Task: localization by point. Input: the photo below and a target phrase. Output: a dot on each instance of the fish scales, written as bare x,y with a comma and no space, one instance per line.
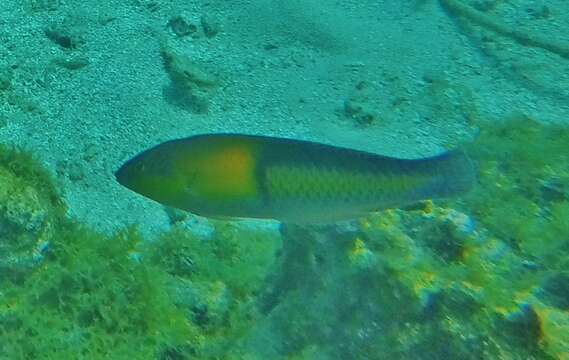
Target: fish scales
232,175
319,178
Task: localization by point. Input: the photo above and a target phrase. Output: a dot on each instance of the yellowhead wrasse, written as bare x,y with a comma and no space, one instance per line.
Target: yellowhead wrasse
232,175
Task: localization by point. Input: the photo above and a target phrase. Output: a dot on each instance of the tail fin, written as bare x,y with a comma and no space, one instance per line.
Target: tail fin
453,173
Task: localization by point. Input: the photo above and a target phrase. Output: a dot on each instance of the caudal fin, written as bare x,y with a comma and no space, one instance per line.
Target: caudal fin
453,174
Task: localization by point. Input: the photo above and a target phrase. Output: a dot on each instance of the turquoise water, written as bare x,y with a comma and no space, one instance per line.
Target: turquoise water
91,270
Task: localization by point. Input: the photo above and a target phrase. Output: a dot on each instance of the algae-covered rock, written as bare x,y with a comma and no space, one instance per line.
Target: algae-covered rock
29,209
479,278
118,296
523,173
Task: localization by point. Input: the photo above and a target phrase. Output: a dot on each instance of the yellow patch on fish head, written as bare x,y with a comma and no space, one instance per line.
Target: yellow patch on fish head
224,170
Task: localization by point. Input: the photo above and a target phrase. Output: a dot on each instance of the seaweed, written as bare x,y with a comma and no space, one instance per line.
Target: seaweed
480,277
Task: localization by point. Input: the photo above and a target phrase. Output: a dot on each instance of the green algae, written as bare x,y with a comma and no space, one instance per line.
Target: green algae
90,299
520,161
118,296
422,283
29,211
98,296
488,288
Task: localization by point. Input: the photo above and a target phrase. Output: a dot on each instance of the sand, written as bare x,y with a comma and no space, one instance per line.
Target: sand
85,87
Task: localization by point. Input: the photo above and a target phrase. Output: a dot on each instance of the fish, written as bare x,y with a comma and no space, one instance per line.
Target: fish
226,176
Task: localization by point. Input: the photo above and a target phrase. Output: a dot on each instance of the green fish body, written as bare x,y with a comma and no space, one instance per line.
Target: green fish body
245,176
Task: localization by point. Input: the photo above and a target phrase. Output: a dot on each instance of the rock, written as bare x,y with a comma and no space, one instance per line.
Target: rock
61,39
182,26
184,71
68,34
29,205
555,291
41,5
191,82
209,26
76,172
358,107
523,326
553,190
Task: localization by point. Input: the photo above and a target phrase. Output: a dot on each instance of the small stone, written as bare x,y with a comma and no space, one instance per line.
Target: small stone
67,33
431,302
153,6
23,101
358,110
61,168
175,215
539,12
5,79
42,5
63,40
184,71
209,26
76,172
530,265
73,63
90,152
552,190
484,5
181,26
270,46
358,106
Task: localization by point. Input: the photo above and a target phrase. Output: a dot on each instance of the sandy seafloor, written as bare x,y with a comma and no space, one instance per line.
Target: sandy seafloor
286,68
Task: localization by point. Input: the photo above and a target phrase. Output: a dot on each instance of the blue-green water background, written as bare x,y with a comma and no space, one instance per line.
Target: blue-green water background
84,86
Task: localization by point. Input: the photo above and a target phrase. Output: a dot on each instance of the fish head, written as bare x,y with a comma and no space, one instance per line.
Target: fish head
155,174
202,174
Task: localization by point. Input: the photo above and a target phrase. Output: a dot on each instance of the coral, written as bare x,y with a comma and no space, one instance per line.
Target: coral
522,200
215,279
360,256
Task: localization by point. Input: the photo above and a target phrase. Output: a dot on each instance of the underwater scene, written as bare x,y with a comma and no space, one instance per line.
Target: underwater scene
295,179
